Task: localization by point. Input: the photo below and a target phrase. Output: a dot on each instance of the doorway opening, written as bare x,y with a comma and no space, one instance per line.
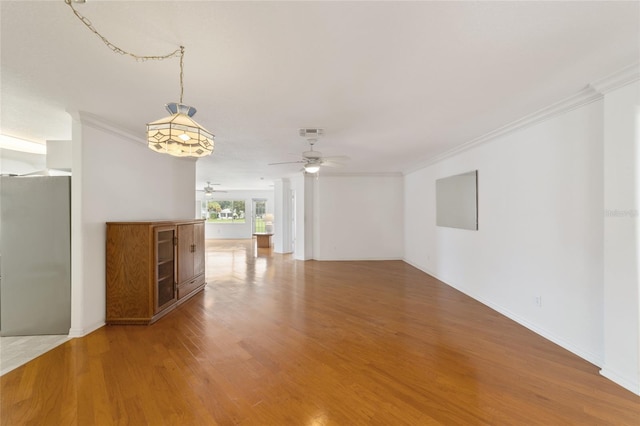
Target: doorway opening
259,212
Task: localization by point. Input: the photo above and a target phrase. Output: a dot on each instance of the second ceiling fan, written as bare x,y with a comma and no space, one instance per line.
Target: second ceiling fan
313,160
208,190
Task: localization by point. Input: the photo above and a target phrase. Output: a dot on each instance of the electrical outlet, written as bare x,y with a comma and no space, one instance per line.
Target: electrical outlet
539,301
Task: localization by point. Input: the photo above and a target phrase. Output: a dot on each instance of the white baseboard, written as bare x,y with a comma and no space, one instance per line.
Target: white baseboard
81,332
586,355
626,382
356,259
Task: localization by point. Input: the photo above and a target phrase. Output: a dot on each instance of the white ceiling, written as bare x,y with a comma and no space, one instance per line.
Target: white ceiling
392,83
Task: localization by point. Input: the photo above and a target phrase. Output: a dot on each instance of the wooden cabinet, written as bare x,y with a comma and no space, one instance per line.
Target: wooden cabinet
190,258
164,279
264,239
151,268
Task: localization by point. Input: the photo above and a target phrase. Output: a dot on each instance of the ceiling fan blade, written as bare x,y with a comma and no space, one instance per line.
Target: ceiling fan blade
287,162
336,158
331,164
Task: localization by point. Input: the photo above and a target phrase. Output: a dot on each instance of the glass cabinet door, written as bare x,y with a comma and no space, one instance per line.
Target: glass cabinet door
165,273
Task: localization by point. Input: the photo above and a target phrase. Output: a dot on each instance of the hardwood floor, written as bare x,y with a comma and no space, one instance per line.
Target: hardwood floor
274,341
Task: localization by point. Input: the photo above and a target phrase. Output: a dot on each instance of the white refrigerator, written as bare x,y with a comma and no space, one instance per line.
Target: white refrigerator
35,255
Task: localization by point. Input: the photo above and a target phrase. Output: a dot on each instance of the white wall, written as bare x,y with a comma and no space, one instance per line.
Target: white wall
116,178
303,188
621,239
237,230
282,238
59,155
21,163
358,217
540,233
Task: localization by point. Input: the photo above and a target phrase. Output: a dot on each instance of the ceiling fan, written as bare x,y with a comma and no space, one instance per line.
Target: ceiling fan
208,190
313,160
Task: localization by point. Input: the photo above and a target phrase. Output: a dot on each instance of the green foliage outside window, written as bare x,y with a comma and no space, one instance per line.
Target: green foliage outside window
226,211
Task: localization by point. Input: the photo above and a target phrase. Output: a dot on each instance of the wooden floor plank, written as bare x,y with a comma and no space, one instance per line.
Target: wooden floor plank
274,341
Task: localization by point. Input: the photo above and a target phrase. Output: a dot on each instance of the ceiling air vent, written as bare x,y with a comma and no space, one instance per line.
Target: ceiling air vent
311,133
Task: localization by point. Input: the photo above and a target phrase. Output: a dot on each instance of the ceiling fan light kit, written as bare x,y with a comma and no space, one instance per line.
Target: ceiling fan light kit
312,167
178,135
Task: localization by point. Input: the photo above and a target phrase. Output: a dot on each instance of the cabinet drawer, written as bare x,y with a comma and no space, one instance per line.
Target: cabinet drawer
189,286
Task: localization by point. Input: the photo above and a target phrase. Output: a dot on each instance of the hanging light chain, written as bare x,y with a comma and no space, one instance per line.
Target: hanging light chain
116,49
181,72
140,58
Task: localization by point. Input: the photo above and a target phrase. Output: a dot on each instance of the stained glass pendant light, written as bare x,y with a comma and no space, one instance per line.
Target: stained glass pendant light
178,134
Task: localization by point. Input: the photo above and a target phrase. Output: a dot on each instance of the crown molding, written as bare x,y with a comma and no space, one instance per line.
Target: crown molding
593,92
99,123
585,96
618,79
379,174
